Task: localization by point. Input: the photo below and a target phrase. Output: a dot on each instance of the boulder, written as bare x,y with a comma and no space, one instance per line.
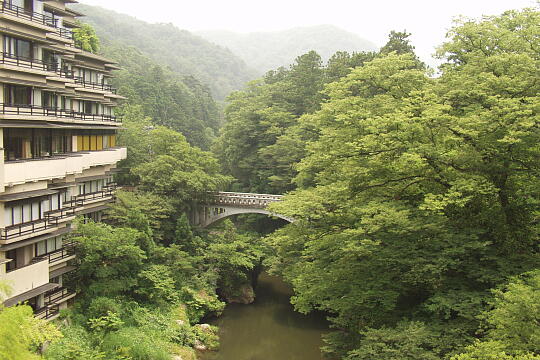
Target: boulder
245,295
200,346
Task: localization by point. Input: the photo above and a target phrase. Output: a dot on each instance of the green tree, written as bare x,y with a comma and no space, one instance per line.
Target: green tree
85,37
419,195
22,335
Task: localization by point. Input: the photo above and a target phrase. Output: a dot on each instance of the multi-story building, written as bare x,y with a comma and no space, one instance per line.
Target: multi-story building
57,147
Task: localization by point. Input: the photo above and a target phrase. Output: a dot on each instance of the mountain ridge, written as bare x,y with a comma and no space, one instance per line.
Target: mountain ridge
182,51
267,50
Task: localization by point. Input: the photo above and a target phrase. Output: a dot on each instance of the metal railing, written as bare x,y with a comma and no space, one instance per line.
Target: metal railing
242,199
23,61
23,13
58,255
97,195
94,86
30,63
26,228
51,219
47,312
55,296
36,110
65,33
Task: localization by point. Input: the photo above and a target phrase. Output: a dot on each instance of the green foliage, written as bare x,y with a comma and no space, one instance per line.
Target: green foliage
269,124
106,323
200,303
109,259
234,256
76,343
157,284
419,195
85,37
21,334
179,102
134,343
514,319
407,341
179,50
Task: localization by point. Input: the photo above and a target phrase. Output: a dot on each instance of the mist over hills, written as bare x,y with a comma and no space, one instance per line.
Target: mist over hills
184,52
264,51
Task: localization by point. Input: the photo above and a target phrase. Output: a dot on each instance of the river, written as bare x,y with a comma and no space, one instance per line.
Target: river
268,329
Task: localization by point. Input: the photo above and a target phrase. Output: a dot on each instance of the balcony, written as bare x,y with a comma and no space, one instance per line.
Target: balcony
26,112
94,86
28,15
48,312
34,64
57,296
50,221
64,33
61,255
20,172
28,277
105,194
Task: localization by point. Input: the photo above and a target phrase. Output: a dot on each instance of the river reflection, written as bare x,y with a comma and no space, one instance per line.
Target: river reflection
268,329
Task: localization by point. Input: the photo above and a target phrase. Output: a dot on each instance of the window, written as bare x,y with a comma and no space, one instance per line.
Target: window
18,144
17,95
48,246
42,142
23,211
94,216
21,144
49,100
18,48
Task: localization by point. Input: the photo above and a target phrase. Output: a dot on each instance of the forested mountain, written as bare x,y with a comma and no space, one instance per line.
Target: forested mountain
179,102
264,51
184,52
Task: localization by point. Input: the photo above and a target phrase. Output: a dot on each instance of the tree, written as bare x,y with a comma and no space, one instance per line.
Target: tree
419,195
21,334
109,259
85,37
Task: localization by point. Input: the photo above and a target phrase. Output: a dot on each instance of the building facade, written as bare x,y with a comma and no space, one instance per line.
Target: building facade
57,147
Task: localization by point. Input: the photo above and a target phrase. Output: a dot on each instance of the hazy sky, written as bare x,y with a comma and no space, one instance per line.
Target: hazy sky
427,20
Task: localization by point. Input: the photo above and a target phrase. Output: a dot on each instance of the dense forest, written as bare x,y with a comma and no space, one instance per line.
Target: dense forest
415,198
264,51
185,53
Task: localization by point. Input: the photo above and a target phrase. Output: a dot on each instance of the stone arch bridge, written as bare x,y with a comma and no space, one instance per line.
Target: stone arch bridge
220,205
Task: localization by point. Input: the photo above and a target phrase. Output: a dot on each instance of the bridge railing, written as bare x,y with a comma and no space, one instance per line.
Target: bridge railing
243,199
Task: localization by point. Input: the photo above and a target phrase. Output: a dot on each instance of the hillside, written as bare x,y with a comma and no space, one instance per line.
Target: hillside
264,51
184,52
179,102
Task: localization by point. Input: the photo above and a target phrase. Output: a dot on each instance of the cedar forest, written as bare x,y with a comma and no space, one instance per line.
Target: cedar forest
416,197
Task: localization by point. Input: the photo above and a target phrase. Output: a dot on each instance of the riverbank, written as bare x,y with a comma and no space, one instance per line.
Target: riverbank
268,329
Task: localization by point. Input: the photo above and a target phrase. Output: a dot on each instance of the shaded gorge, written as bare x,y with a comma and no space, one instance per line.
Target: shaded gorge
268,329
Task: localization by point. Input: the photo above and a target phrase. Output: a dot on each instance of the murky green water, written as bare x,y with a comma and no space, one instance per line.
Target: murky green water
268,329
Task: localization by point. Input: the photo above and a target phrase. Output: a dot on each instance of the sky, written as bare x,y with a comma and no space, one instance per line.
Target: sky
427,20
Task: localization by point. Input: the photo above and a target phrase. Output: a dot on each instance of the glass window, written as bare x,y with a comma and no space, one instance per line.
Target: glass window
24,49
17,95
41,248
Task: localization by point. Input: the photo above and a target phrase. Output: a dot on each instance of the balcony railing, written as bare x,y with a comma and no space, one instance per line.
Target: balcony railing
47,312
65,33
30,63
94,86
23,13
65,252
36,110
50,220
97,195
54,297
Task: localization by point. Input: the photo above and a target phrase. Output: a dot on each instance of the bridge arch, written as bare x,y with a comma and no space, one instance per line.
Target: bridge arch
224,204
